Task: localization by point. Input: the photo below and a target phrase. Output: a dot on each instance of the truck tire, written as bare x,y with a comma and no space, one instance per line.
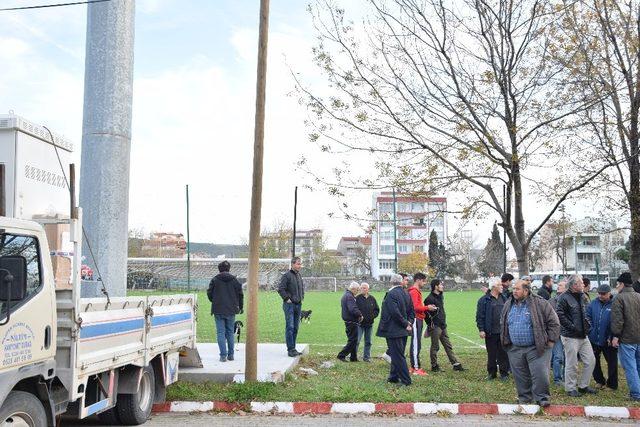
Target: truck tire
134,409
22,409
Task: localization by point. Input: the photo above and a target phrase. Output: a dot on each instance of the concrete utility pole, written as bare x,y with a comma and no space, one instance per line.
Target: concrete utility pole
106,141
251,361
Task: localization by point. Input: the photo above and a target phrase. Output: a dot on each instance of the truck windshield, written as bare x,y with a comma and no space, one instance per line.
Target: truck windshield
27,247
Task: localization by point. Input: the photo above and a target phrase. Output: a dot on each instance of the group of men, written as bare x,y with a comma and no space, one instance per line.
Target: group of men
404,314
527,334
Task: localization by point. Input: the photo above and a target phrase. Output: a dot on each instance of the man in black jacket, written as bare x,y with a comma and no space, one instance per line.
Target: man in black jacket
547,287
395,326
352,317
488,312
225,294
369,308
574,329
437,327
291,290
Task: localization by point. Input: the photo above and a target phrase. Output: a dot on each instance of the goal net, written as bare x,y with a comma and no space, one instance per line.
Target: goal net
174,273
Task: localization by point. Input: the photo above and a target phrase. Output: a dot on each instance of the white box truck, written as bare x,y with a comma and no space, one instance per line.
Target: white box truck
63,355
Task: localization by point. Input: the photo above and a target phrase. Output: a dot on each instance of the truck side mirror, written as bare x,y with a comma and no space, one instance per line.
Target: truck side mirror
13,278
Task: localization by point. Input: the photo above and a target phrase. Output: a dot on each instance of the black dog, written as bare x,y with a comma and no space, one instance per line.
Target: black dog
305,315
237,329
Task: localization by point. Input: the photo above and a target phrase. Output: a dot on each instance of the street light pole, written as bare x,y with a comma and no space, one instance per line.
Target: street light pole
395,233
251,361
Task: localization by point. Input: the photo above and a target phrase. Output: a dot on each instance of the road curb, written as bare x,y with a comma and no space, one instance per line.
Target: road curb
418,408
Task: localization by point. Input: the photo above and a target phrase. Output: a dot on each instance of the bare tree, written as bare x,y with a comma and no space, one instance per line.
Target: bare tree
456,96
598,43
362,258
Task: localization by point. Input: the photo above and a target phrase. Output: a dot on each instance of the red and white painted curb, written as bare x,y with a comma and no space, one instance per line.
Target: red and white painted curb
399,408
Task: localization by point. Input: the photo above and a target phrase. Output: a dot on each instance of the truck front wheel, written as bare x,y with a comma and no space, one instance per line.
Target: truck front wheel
22,409
134,409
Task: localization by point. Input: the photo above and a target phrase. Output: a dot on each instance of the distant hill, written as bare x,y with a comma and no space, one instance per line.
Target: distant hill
212,250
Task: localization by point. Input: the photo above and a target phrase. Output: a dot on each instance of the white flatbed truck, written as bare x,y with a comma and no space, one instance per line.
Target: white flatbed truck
63,355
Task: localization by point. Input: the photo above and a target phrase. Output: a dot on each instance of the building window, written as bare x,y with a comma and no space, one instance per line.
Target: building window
385,208
403,249
387,265
386,234
417,207
386,249
418,248
418,234
418,221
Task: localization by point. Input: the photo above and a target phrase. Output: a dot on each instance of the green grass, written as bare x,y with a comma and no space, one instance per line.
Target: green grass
367,382
326,327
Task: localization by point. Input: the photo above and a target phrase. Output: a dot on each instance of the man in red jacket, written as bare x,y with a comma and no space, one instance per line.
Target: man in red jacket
419,279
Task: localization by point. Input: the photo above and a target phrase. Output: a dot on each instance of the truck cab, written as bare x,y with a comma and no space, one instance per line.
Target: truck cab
63,355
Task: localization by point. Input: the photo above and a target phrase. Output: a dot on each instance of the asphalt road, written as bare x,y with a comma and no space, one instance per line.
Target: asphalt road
208,419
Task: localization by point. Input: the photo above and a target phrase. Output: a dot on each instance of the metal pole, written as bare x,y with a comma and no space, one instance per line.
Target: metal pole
295,218
395,233
597,272
3,205
251,361
106,141
504,226
188,244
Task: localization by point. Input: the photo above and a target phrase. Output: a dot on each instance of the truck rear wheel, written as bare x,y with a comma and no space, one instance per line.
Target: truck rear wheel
22,409
134,409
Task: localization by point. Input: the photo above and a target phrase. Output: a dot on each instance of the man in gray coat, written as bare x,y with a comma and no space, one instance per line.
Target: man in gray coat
530,327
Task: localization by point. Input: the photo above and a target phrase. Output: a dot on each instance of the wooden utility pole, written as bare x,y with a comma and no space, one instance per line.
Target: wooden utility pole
251,361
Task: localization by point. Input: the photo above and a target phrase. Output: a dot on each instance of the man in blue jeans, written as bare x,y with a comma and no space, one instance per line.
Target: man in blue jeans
225,294
557,353
291,290
625,327
369,308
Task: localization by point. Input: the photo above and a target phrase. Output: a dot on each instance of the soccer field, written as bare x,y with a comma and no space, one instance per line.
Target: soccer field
326,328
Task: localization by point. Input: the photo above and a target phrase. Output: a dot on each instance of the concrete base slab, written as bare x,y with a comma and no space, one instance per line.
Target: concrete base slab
273,363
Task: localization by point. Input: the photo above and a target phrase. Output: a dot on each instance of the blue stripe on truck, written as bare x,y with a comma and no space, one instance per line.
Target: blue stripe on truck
166,319
111,328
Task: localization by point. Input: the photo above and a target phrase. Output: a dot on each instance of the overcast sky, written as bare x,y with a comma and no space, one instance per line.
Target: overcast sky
193,109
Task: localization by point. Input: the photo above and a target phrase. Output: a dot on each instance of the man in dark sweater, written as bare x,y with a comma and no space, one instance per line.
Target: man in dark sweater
369,308
437,327
488,314
291,290
395,326
546,289
574,329
225,294
352,317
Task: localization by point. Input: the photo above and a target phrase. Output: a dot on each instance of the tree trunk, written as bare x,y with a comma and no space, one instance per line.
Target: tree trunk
634,207
522,256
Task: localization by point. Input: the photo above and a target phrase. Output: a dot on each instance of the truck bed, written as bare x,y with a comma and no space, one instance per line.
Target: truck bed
128,331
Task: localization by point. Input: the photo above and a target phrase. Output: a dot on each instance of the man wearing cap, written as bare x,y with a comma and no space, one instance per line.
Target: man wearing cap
574,330
625,327
599,315
395,326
